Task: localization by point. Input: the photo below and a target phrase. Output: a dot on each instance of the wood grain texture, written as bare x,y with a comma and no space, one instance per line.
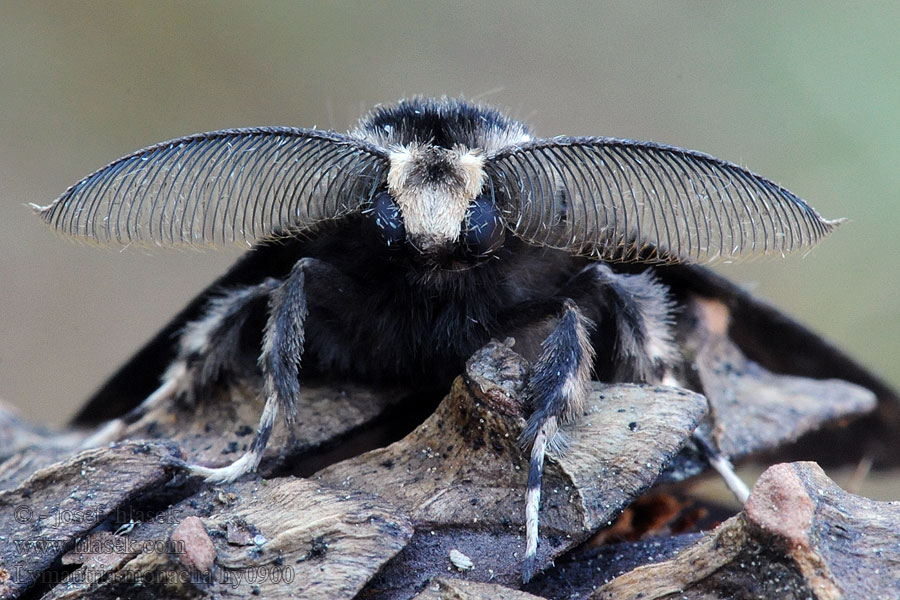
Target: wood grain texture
799,536
123,521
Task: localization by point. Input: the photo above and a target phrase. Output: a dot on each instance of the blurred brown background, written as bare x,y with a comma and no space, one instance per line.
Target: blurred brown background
806,93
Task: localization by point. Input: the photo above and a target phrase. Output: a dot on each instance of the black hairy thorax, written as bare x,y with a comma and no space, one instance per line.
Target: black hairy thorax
413,320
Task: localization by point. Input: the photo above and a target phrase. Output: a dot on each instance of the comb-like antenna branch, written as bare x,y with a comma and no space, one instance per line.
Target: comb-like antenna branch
221,187
626,200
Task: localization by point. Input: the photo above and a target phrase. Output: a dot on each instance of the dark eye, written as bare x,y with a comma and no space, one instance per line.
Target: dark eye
386,215
484,227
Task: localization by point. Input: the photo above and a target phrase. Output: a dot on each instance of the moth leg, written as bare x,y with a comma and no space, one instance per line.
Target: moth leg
555,392
279,360
641,312
646,349
722,465
211,345
207,348
643,315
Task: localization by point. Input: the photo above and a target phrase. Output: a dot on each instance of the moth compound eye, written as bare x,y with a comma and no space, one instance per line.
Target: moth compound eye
484,228
386,215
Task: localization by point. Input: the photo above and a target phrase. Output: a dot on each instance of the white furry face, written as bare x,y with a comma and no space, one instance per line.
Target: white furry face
434,187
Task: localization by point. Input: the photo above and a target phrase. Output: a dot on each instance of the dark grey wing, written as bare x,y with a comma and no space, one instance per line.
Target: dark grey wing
234,185
626,200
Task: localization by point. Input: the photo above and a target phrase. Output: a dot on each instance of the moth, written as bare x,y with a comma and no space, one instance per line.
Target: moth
394,251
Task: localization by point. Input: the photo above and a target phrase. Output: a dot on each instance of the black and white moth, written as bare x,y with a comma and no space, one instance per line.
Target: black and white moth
393,252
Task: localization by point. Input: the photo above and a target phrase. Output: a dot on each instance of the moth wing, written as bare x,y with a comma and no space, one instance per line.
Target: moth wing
221,187
141,374
626,200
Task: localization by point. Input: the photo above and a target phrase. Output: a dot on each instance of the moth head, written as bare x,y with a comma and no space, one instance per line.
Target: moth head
436,203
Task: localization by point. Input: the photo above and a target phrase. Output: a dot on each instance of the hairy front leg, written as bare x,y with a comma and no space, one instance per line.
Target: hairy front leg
638,313
555,392
280,355
208,348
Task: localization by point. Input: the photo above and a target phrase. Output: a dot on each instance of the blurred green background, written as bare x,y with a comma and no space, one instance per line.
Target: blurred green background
805,93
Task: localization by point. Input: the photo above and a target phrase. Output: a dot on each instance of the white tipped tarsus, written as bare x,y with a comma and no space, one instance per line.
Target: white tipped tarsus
220,475
556,390
725,469
113,430
279,361
546,432
722,465
106,433
251,458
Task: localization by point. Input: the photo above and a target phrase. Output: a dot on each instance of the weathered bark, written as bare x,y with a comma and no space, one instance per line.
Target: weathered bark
457,589
799,536
438,513
460,476
247,540
45,515
752,409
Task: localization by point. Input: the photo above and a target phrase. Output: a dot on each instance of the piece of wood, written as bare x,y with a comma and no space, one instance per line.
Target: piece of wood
285,538
752,409
780,344
457,589
799,536
216,432
44,516
461,475
389,522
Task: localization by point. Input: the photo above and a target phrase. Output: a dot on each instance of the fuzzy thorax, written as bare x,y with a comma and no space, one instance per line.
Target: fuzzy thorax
433,187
